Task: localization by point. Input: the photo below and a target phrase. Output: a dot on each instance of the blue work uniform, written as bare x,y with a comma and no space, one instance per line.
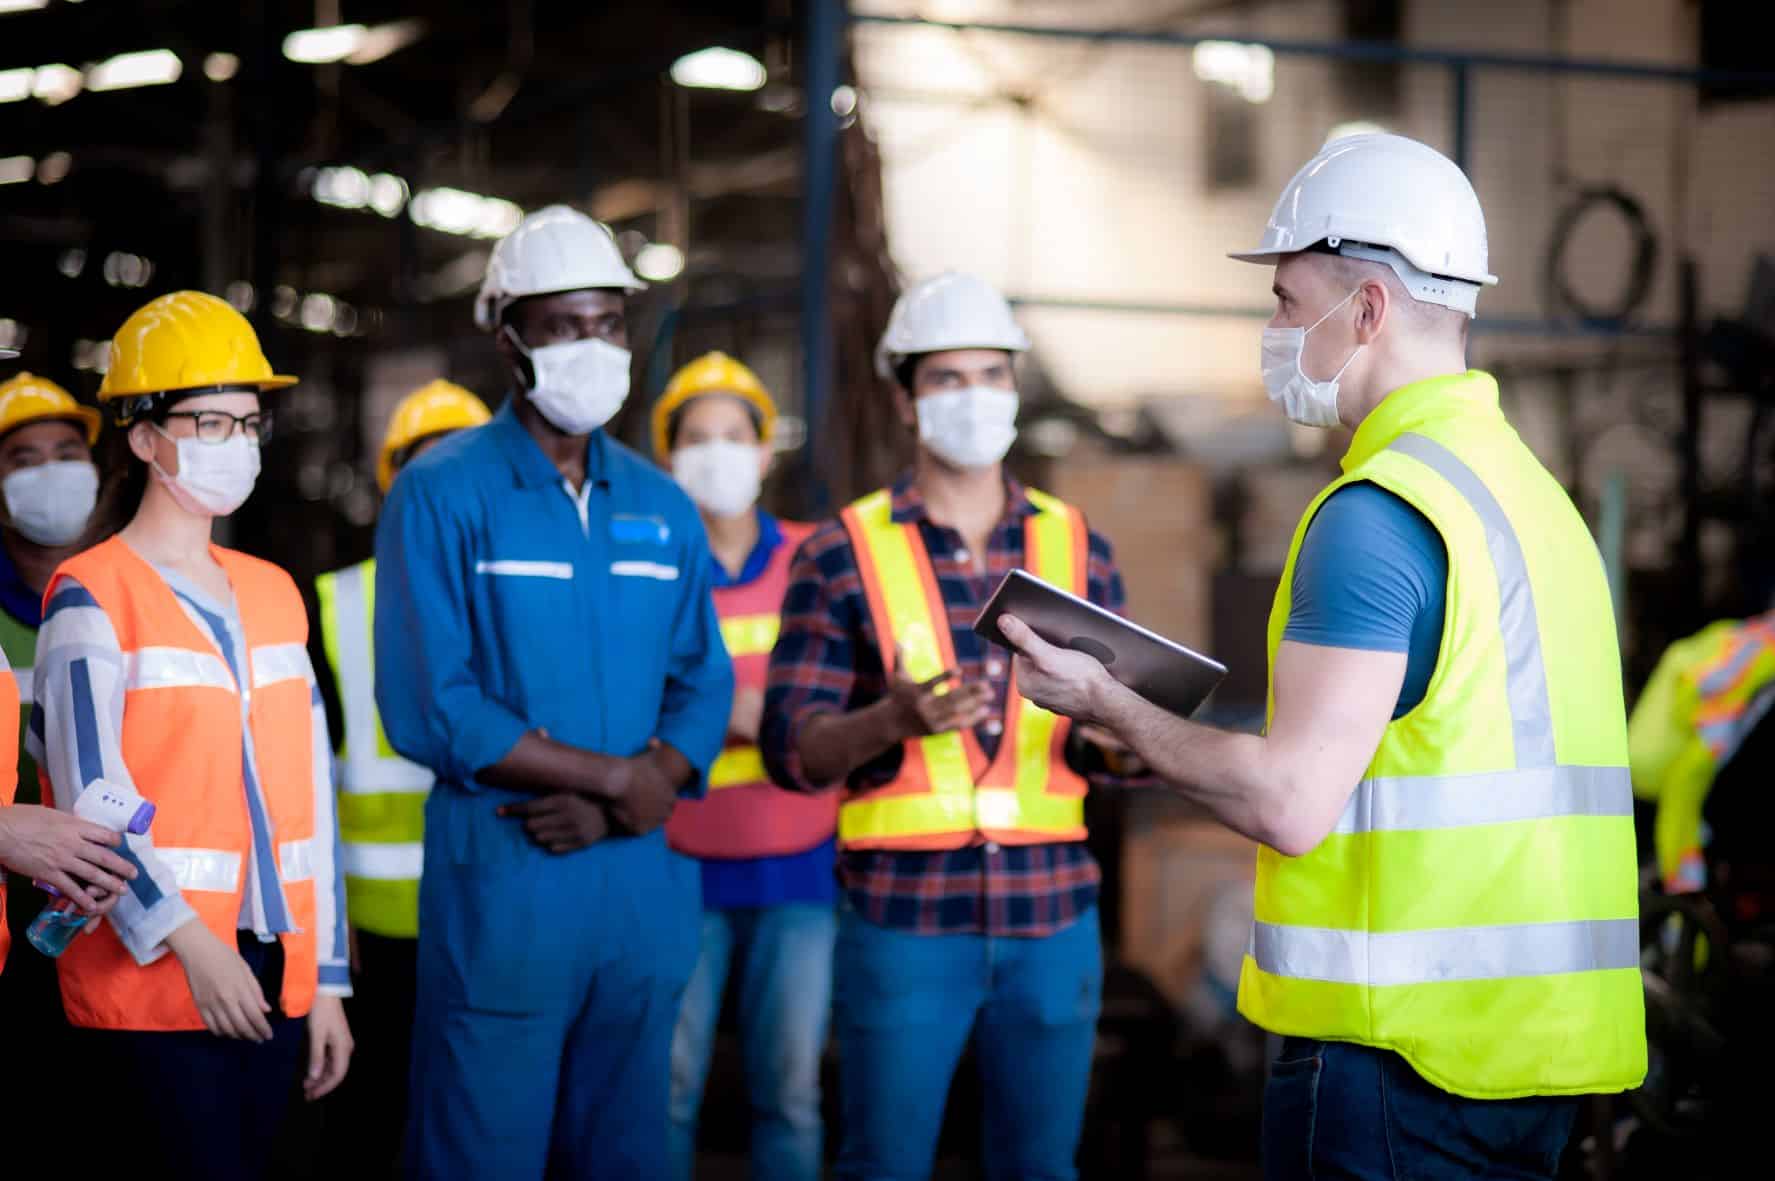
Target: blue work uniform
507,601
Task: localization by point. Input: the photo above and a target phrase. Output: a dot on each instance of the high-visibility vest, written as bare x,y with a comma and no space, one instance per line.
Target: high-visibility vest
183,745
746,815
946,794
381,795
9,692
1475,909
1694,711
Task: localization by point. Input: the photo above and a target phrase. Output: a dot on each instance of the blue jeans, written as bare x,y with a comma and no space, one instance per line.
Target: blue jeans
908,1005
1342,1111
782,957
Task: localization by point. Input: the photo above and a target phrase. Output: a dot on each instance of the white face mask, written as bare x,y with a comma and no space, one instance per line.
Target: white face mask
579,385
50,503
1303,400
971,427
214,478
723,477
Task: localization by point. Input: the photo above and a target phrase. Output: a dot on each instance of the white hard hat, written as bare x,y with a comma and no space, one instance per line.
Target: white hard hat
554,249
951,311
1387,199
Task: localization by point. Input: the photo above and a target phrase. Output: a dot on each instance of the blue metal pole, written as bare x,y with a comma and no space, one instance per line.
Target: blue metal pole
825,20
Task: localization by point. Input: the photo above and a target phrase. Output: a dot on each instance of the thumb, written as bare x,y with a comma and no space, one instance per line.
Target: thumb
1017,632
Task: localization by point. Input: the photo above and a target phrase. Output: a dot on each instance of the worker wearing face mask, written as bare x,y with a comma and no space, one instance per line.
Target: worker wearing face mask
546,645
766,853
47,487
177,671
1447,930
969,911
381,810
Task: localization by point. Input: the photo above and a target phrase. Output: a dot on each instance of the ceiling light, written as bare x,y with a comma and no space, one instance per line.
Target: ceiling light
659,262
239,294
719,68
219,67
54,168
13,334
22,5
16,169
343,188
454,211
15,85
317,312
1355,127
1249,70
72,262
283,301
844,101
151,67
388,194
379,41
318,46
127,270
56,84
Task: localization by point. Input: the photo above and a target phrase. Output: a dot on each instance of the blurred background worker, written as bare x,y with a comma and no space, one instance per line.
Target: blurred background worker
177,670
381,812
546,644
1447,910
767,854
48,486
971,901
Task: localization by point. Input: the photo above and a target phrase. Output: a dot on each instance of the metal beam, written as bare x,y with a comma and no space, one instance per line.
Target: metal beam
822,43
1370,51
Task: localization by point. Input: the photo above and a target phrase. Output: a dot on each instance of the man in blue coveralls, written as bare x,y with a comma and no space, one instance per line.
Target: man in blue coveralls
546,643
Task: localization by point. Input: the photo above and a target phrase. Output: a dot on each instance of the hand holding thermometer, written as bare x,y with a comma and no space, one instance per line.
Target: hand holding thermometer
118,809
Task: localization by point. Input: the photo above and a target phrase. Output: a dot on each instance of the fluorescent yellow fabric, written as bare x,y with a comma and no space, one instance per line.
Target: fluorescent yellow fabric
381,795
1476,907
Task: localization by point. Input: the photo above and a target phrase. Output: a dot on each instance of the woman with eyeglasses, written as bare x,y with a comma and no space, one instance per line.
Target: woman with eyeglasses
176,670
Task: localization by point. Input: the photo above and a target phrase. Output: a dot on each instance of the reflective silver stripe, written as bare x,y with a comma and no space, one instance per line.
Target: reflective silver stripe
374,777
279,662
1456,953
1408,803
1531,716
27,684
385,863
295,860
217,870
175,668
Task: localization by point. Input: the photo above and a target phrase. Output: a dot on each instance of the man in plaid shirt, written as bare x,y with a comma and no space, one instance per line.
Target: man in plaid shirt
972,920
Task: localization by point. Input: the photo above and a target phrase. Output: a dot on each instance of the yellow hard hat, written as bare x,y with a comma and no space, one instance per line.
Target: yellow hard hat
711,373
28,398
431,409
185,341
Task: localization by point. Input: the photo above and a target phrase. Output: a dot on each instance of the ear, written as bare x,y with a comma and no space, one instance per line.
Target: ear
141,442
1373,305
767,459
903,406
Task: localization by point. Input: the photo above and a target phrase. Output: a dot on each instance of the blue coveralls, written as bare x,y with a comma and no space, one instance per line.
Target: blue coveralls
548,985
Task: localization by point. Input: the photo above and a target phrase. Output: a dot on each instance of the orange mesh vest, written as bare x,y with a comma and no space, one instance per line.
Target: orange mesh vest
183,746
946,795
9,706
744,814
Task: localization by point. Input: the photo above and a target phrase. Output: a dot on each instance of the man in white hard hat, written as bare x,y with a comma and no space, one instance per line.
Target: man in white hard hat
1447,933
546,644
969,912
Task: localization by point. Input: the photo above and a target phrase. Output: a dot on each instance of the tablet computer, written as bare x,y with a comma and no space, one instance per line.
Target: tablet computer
1164,672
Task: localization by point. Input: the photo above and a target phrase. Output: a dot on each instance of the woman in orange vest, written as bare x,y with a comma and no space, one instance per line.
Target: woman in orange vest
767,854
178,670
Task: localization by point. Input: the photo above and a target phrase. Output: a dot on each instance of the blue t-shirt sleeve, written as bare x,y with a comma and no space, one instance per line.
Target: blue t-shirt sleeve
1372,574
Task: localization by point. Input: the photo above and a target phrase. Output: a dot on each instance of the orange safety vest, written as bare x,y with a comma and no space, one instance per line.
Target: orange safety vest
182,743
744,814
946,795
9,707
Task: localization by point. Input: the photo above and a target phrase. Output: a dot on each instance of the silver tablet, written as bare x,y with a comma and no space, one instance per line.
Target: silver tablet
1160,670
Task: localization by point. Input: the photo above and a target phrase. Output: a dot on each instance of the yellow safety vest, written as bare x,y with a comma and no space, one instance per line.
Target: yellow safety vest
1694,711
947,795
381,795
1475,909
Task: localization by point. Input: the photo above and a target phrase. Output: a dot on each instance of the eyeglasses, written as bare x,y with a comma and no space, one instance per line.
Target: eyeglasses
217,426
